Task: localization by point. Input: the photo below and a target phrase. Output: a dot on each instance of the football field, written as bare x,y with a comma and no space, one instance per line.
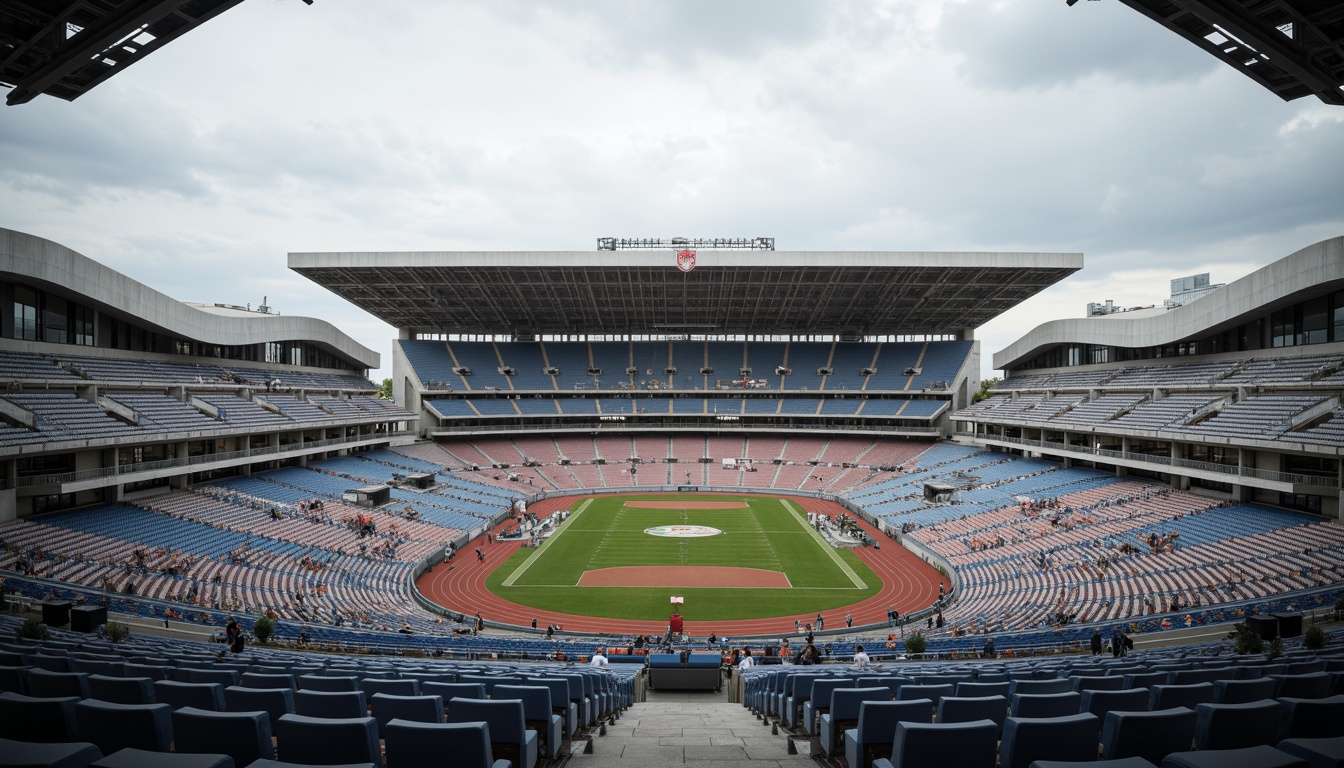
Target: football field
730,557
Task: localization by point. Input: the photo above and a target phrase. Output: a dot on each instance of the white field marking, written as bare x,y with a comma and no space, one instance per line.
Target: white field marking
827,548
536,553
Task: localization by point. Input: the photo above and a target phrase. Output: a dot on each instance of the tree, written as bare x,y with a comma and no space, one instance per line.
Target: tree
385,391
985,386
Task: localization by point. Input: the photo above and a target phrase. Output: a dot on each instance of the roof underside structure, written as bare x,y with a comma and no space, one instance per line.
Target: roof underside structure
63,48
1293,48
726,292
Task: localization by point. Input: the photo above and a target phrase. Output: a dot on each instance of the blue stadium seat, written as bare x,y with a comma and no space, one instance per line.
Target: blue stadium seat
408,744
117,726
243,736
28,754
872,737
1073,737
327,740
936,745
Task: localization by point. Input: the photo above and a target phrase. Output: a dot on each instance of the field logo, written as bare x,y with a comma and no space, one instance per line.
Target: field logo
683,531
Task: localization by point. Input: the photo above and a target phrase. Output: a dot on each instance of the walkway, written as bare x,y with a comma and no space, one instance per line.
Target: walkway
682,728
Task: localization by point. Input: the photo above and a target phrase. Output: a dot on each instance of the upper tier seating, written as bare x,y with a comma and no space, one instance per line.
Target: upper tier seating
900,366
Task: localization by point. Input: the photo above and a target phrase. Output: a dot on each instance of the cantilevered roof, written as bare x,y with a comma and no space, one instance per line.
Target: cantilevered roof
65,47
1294,48
50,266
638,292
1315,270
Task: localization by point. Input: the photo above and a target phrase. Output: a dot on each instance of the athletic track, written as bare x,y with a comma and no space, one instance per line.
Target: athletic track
909,584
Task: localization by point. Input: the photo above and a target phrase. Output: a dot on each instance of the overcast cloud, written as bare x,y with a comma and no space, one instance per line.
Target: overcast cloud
903,125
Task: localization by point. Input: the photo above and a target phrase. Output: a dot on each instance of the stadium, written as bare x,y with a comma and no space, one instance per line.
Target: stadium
670,453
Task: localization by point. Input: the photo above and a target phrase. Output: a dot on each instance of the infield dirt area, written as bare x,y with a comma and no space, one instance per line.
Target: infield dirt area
684,576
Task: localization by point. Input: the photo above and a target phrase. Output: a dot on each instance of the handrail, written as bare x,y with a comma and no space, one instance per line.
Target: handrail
1204,466
191,461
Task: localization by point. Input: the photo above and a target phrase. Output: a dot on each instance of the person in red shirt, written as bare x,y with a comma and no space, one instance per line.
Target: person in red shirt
674,623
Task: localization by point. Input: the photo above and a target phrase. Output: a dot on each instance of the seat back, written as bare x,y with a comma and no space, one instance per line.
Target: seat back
821,691
1191,676
14,678
1097,683
1168,696
937,745
341,704
878,726
123,690
508,730
1313,685
968,709
199,695
112,726
1249,671
155,672
1305,666
30,718
878,719
1101,702
46,684
373,685
273,701
243,736
1069,738
560,703
50,662
1057,685
468,744
845,702
1312,718
1144,679
489,681
1148,735
106,667
1242,691
1233,726
268,680
450,691
327,740
225,677
388,707
328,683
980,690
894,682
931,692
536,700
1045,704
538,714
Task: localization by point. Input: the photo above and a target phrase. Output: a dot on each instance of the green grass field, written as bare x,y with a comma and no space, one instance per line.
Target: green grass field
770,534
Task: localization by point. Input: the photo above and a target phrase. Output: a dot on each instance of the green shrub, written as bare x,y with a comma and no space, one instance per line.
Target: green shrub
263,628
1313,637
34,629
915,643
1246,640
1275,648
116,631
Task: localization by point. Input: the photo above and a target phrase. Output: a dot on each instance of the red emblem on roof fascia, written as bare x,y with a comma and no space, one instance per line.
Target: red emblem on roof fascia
685,260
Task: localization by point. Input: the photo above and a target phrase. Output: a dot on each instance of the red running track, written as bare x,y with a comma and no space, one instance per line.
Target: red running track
908,584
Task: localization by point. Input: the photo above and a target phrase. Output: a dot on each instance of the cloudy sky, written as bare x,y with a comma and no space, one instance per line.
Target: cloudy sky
993,125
